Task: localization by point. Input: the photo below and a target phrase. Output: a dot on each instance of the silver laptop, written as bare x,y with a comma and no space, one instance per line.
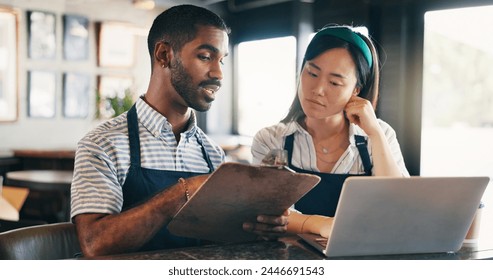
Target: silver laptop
386,216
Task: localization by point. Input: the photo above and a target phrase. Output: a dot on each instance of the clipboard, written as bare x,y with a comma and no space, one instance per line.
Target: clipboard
236,193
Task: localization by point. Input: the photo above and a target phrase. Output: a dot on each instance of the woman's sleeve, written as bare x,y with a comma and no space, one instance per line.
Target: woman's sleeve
263,142
395,148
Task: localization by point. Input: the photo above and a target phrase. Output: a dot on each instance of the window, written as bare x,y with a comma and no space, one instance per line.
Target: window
8,65
457,119
266,82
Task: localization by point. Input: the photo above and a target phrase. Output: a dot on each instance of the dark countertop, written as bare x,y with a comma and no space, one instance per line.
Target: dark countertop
290,248
266,250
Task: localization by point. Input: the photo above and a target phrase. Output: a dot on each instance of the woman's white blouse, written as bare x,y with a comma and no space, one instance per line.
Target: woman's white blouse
304,155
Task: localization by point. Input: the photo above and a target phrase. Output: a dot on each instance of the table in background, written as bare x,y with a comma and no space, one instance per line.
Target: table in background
46,186
16,196
55,159
8,163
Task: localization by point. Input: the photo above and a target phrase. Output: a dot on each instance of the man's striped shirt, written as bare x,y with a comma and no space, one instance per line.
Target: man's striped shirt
103,158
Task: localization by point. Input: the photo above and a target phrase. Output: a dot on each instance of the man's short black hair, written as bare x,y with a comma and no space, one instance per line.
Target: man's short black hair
178,26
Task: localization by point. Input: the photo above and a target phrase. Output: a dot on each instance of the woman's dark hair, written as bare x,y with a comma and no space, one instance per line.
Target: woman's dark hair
367,77
178,26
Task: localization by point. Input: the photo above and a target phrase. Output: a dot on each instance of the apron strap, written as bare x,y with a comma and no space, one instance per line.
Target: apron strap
361,144
288,146
133,136
134,140
204,152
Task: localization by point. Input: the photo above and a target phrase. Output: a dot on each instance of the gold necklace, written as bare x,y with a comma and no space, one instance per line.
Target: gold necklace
325,161
324,150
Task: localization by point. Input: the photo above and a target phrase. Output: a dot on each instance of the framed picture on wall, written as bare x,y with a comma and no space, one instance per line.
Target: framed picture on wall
76,92
112,90
75,37
116,44
8,66
41,94
41,29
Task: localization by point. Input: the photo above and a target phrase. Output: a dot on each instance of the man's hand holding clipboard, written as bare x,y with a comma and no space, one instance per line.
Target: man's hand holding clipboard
237,193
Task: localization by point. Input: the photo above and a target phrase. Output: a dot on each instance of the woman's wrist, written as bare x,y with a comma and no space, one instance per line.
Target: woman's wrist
317,224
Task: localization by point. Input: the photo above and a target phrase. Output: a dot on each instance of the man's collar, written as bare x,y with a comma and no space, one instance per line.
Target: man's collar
156,123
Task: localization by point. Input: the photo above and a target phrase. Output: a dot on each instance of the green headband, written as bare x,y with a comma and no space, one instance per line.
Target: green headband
346,34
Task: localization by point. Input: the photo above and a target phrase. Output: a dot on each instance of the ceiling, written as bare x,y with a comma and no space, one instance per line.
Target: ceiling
168,3
233,5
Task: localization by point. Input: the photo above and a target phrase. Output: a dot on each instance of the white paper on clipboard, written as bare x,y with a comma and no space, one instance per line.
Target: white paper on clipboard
236,193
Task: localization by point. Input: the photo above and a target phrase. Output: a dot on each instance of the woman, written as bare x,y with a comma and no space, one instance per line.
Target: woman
331,129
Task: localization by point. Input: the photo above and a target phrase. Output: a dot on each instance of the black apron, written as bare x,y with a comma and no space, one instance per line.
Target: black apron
323,198
142,183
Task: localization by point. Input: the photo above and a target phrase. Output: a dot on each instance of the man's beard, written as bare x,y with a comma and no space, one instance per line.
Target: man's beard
183,84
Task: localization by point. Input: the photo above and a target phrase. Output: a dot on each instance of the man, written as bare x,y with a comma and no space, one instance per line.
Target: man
134,172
